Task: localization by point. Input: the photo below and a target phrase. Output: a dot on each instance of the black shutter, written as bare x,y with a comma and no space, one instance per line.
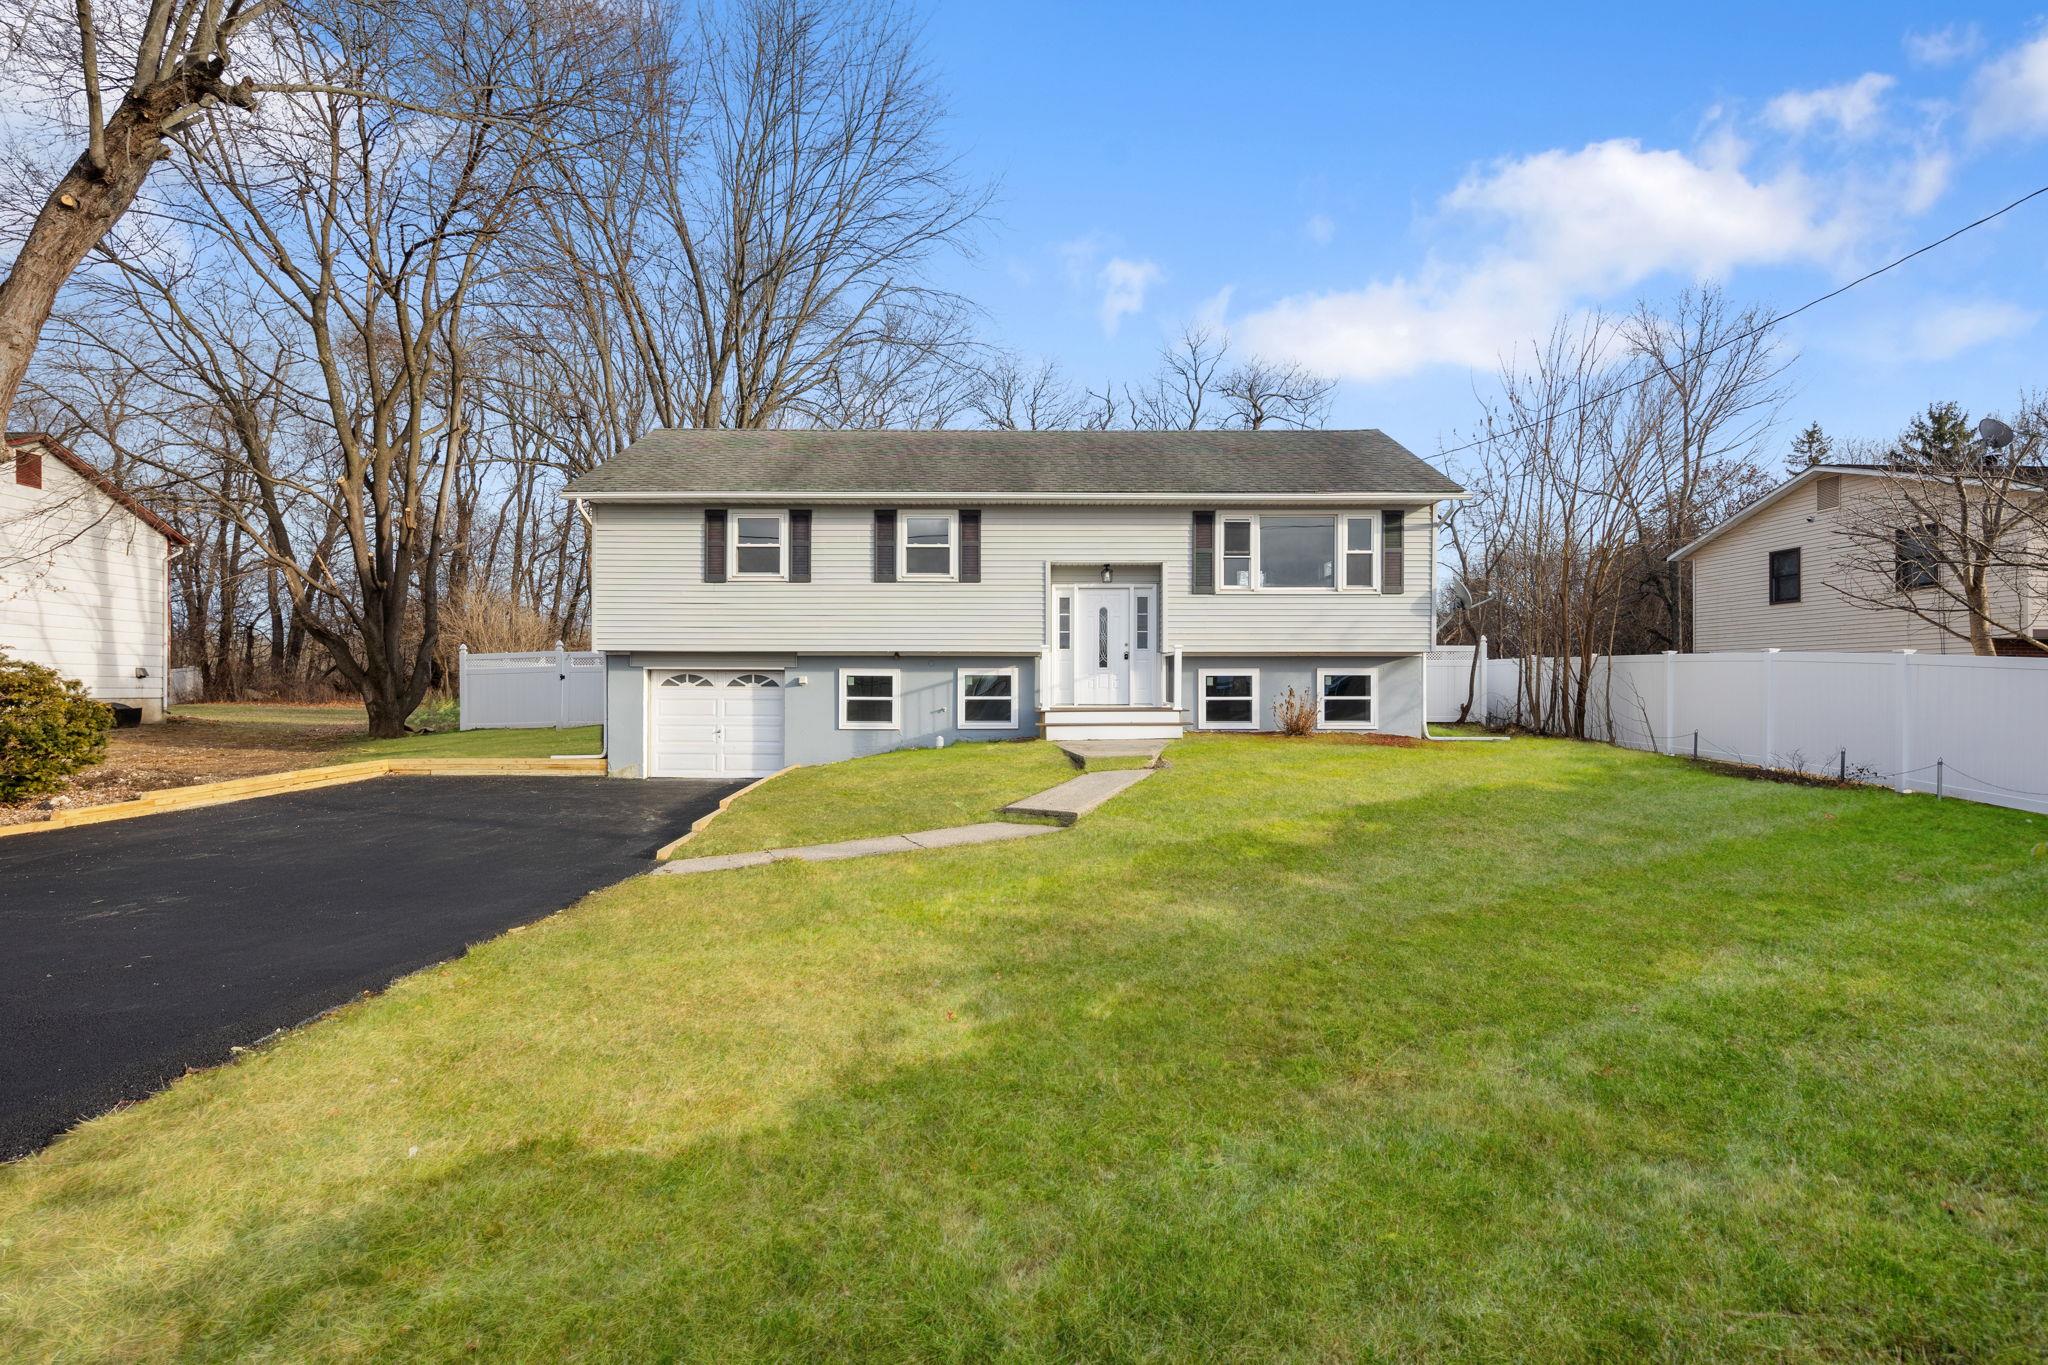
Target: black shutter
885,545
1203,571
1393,565
714,545
970,547
799,545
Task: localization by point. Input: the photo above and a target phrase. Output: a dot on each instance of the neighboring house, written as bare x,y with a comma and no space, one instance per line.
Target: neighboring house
84,576
767,598
1781,574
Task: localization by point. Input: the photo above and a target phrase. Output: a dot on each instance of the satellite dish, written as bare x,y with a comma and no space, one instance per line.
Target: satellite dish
1996,434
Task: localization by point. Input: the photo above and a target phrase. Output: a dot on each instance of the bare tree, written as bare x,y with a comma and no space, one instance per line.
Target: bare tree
1547,531
364,225
1262,393
1955,532
1716,376
168,60
1008,396
1182,394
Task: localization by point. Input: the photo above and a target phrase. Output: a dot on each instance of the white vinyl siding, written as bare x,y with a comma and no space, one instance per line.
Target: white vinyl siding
82,585
1732,607
648,591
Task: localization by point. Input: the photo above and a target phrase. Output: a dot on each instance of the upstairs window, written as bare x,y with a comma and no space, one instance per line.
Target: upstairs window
1784,576
1916,562
760,543
1297,552
929,540
1361,565
1237,552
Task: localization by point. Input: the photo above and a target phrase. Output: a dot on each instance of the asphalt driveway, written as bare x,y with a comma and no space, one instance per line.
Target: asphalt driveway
133,950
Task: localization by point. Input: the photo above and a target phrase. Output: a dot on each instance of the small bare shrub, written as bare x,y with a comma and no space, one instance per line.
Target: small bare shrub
1295,713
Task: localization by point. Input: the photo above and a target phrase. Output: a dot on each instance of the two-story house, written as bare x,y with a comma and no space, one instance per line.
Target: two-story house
766,598
1793,570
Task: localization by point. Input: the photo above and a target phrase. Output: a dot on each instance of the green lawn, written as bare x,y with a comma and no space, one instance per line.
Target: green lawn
892,793
1296,1050
582,739
321,726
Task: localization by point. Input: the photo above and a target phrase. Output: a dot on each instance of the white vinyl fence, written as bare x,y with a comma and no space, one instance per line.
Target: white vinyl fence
548,689
1452,679
1959,725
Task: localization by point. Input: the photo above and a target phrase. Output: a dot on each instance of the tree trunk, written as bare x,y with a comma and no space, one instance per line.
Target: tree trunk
87,203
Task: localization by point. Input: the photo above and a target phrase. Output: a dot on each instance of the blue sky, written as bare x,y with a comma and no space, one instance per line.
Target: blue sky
1394,195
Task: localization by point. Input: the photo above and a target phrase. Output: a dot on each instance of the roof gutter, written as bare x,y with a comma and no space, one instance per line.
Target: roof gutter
1411,497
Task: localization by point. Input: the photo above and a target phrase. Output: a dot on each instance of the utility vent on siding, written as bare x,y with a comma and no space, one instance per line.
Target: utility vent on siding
1827,493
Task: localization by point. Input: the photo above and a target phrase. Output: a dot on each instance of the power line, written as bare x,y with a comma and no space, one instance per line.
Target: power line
1760,328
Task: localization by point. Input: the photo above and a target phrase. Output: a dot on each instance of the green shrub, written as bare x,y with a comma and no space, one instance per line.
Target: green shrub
49,728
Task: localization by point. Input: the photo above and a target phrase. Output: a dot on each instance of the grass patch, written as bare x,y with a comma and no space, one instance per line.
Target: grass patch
892,793
582,739
338,729
1297,1050
337,715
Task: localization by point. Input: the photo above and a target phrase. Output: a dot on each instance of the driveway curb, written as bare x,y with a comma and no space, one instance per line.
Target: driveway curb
307,779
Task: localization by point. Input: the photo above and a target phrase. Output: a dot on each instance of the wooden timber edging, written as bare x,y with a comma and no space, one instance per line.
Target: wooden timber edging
307,779
667,850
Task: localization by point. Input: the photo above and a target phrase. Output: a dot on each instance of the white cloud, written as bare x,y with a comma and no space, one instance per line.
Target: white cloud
1124,283
1214,311
1941,46
1853,107
1563,226
2012,93
1320,228
1952,329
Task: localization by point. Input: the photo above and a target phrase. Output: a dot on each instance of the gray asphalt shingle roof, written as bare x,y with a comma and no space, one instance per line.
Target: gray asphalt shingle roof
1016,463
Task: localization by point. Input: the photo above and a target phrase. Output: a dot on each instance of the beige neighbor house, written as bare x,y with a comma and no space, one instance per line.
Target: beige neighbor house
84,576
1783,574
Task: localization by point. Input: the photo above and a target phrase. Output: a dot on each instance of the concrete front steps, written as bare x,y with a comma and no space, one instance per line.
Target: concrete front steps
1063,724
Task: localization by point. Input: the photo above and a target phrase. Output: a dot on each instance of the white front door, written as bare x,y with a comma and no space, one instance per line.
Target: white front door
1102,646
714,724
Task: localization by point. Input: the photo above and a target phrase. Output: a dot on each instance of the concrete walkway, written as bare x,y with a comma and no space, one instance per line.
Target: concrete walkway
955,837
1082,750
1066,803
1075,797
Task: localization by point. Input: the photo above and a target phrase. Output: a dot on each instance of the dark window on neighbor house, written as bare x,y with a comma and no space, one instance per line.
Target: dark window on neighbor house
1784,576
1916,563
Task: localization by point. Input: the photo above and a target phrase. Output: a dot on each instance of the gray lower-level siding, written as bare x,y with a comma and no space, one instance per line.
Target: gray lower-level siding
930,697
927,708
1398,683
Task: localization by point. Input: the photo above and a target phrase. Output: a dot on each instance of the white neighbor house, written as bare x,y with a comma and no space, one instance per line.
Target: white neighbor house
1773,577
84,576
766,598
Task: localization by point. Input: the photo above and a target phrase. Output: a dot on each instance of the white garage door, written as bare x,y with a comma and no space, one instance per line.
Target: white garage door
708,724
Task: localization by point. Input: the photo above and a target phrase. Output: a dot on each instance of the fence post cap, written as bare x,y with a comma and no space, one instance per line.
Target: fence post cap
462,649
1771,651
1909,651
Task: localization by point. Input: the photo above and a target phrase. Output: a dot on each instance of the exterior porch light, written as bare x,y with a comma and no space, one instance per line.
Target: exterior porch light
1106,573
